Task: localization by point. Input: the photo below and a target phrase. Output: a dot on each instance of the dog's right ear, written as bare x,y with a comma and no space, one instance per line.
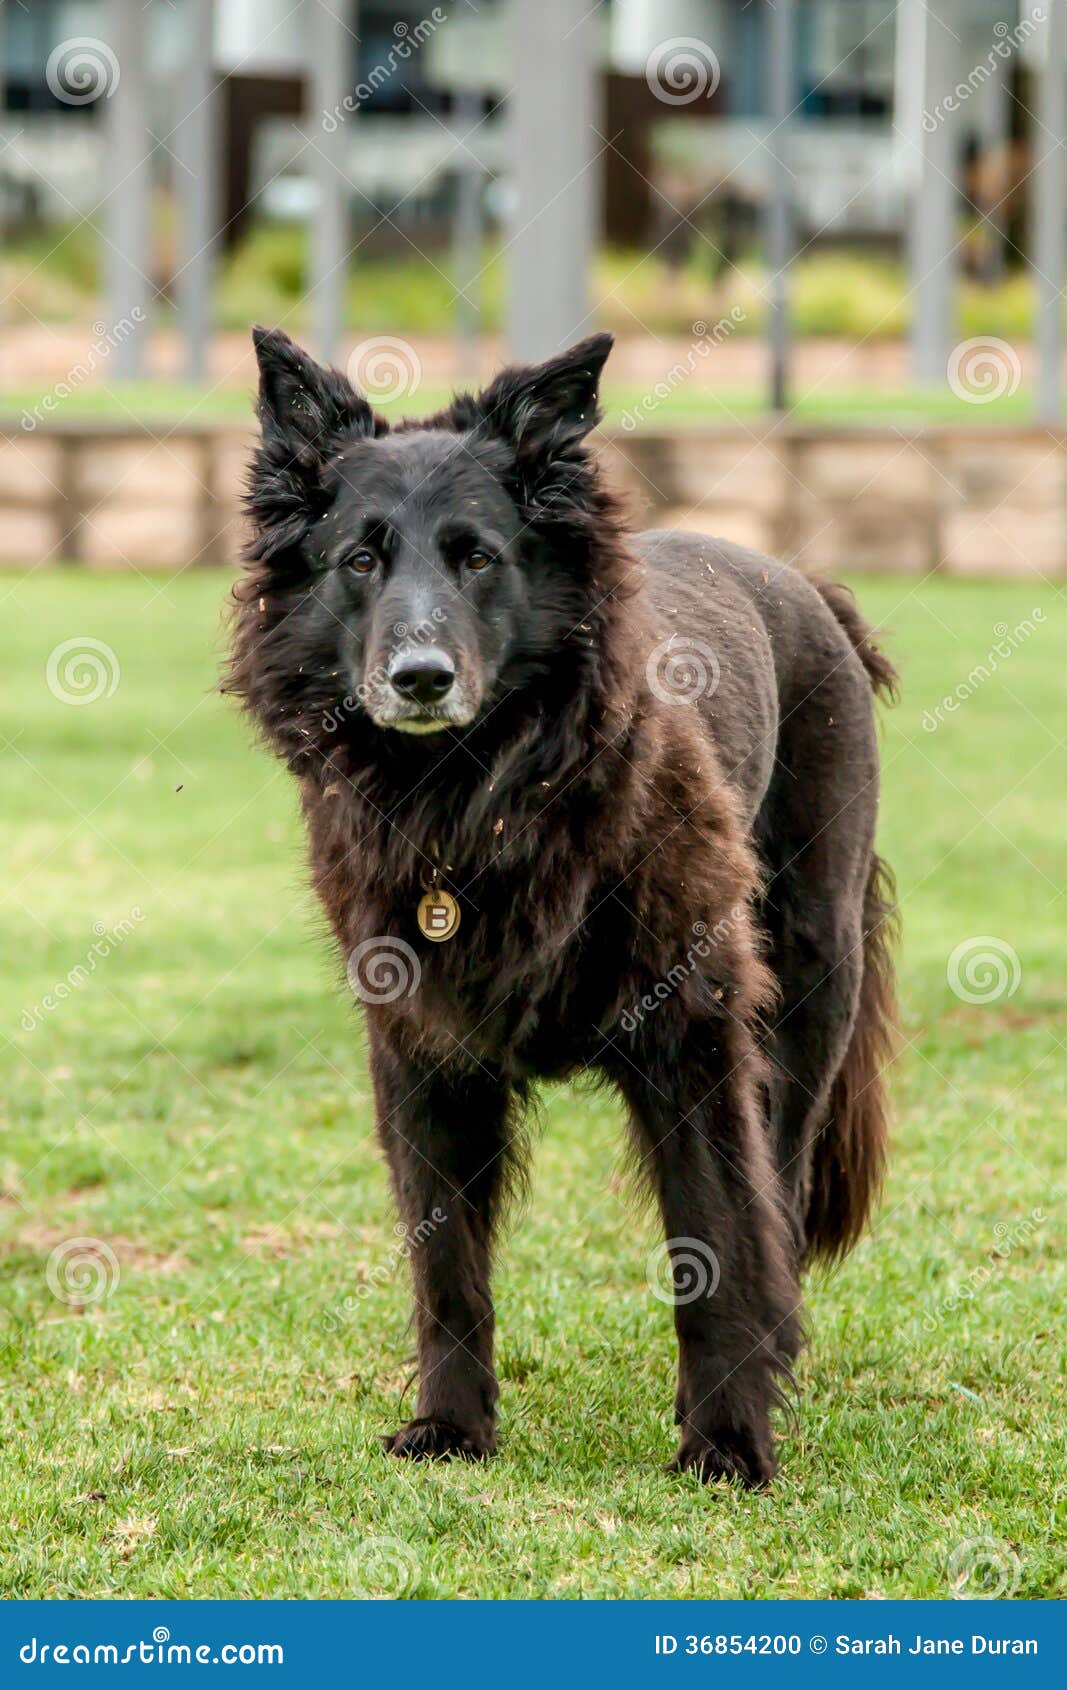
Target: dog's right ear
303,408
306,414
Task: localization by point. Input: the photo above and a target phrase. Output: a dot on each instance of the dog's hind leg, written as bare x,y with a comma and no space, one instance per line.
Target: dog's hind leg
736,1300
817,955
445,1135
823,915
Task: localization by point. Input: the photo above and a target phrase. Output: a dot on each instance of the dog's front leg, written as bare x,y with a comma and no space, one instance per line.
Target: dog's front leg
444,1131
728,1267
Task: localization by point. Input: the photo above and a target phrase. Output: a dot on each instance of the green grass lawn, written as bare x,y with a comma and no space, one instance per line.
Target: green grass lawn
198,1105
165,405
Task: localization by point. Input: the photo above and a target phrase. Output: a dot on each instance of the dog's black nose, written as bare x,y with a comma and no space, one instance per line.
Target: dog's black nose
425,676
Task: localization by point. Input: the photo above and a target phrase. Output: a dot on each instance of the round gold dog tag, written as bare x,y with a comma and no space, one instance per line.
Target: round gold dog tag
438,915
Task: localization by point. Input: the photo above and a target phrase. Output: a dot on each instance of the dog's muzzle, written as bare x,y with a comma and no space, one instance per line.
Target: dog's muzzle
422,694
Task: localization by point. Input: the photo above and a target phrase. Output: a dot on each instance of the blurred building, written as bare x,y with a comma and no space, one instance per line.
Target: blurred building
407,75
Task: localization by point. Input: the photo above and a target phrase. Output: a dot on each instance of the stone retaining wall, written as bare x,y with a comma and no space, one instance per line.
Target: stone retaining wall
984,501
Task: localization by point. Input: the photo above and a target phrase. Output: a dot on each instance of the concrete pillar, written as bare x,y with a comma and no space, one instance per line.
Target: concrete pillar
1049,254
929,50
127,207
332,28
467,237
195,144
782,54
995,135
638,27
552,112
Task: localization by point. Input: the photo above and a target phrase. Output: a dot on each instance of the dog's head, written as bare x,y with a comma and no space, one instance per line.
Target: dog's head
418,575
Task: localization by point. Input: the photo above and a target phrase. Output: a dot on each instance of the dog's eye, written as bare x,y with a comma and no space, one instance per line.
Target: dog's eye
478,559
362,561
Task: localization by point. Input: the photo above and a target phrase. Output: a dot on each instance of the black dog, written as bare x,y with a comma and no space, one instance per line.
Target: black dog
577,799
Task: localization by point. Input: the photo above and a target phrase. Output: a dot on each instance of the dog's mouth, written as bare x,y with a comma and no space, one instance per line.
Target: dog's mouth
421,716
423,723
422,719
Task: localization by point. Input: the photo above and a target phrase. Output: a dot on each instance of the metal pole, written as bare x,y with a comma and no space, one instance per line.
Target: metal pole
783,90
198,165
332,31
1050,196
553,147
933,257
3,122
995,140
467,237
128,258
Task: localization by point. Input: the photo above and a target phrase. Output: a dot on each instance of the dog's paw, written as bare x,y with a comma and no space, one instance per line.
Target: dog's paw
439,1440
726,1455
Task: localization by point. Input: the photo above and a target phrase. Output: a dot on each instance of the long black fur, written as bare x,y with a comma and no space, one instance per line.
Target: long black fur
645,767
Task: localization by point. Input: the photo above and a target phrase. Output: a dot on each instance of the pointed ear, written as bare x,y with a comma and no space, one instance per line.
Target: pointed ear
302,406
544,408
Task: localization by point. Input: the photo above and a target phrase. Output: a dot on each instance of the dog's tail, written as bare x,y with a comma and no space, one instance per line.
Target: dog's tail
850,1150
842,602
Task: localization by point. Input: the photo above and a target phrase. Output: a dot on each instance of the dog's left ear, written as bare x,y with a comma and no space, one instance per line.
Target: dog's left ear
542,408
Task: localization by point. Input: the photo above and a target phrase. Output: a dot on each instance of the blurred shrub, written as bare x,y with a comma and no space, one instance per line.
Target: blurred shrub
854,295
54,275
